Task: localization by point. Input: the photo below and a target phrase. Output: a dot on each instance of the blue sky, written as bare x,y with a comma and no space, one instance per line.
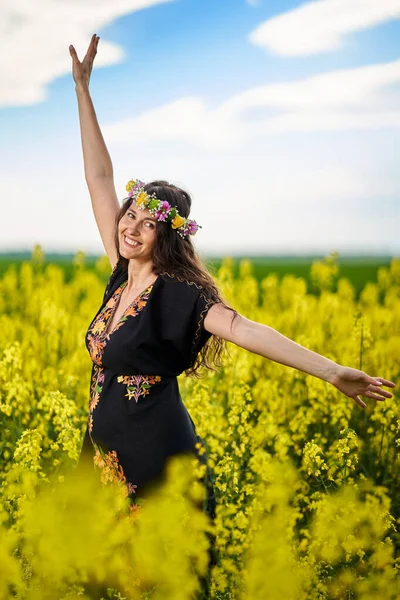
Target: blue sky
281,118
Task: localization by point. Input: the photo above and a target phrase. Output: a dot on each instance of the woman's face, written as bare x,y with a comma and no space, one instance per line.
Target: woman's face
137,233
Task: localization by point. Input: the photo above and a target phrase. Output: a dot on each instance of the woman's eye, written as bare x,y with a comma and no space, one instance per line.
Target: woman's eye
147,223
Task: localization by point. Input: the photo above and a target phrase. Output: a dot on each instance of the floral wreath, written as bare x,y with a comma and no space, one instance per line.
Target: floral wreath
161,209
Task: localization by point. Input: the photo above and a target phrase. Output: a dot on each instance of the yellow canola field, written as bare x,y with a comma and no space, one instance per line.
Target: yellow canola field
307,482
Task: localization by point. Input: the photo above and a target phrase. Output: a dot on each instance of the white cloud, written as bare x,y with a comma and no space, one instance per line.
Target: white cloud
320,26
34,40
186,119
349,99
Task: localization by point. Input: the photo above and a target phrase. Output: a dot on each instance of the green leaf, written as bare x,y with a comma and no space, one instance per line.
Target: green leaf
153,204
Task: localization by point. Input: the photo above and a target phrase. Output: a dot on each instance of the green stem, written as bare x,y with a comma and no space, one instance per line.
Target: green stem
380,449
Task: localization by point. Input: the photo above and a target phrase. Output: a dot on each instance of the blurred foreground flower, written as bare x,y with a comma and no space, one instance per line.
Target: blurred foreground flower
74,532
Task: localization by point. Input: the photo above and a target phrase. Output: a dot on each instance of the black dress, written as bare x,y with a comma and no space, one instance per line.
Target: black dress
136,415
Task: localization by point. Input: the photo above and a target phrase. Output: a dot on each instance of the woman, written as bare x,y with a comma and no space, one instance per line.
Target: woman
159,313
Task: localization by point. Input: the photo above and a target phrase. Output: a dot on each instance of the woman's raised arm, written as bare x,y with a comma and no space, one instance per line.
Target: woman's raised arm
269,343
97,162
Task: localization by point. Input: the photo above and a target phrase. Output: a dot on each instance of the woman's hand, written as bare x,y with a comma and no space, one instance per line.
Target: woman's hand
352,382
81,70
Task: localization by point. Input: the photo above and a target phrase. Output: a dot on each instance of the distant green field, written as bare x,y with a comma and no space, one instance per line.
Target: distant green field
359,270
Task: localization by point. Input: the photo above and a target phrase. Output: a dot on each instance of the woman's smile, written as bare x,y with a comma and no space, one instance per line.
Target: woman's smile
130,242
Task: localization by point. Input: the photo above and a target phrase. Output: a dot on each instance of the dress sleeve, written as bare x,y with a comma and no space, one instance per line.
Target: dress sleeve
201,335
184,308
116,277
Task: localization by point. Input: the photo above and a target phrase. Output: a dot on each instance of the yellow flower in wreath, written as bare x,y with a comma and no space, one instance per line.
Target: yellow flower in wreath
130,185
177,222
141,199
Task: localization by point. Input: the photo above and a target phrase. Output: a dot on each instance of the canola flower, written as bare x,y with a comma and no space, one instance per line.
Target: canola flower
307,484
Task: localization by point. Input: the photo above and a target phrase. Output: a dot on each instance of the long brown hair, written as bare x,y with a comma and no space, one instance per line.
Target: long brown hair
177,256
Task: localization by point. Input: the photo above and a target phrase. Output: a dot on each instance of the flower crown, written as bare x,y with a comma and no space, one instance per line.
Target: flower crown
160,209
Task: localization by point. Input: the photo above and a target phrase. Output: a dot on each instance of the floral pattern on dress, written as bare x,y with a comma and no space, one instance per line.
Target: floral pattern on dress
95,392
138,385
111,469
96,348
97,336
133,310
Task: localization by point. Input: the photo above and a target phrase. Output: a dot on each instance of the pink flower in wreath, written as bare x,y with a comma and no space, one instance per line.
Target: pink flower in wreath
161,212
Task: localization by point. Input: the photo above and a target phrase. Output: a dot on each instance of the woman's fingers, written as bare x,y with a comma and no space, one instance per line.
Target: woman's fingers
370,394
380,391
93,44
358,400
385,382
72,52
92,50
376,383
374,392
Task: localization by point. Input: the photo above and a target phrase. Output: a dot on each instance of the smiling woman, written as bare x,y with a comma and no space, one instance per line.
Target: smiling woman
162,315
136,231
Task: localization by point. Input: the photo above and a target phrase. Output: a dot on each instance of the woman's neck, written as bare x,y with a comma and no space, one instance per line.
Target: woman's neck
139,275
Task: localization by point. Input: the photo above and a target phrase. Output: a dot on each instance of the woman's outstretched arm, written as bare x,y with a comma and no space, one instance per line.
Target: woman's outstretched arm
268,342
97,162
